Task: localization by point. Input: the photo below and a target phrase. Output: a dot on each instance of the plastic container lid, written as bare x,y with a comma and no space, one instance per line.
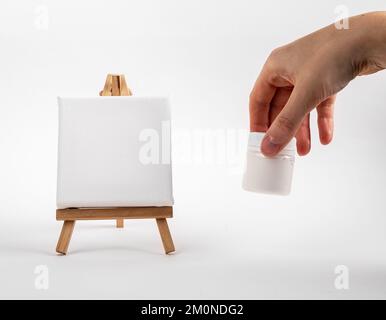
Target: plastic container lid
255,139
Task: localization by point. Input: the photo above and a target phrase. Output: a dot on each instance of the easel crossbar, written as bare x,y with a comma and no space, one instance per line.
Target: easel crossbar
114,213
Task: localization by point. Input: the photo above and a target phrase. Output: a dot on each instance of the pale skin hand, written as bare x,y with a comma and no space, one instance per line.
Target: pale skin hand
307,74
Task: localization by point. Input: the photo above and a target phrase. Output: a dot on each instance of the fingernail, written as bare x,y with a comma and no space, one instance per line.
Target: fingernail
269,147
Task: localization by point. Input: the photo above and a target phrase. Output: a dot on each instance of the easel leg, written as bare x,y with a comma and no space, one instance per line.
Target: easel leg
65,236
166,237
120,223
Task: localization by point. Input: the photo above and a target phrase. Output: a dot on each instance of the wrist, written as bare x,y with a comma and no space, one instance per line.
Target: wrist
370,42
379,50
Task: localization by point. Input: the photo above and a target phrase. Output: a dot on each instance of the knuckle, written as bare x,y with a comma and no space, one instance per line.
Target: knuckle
285,124
260,104
256,102
276,53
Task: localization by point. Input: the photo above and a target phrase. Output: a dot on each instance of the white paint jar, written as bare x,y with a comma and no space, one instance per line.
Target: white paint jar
272,175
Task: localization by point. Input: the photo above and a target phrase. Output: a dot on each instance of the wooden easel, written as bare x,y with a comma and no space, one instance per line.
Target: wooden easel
115,86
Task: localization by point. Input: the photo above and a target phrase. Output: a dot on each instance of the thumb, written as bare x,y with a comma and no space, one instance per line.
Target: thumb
286,124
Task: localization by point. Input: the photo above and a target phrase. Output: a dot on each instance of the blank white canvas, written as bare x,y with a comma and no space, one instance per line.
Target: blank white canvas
98,152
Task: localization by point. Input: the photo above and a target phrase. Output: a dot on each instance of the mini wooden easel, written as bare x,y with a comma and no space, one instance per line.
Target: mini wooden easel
115,86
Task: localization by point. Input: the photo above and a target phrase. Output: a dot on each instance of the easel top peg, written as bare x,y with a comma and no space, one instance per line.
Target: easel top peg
115,85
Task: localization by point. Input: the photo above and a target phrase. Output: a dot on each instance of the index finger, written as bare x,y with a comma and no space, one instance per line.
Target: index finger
259,103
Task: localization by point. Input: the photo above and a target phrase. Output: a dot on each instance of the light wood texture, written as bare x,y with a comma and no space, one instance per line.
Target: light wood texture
120,223
115,90
115,85
166,237
107,88
114,213
125,90
65,237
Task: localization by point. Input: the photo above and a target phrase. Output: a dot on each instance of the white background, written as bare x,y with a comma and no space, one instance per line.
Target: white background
230,244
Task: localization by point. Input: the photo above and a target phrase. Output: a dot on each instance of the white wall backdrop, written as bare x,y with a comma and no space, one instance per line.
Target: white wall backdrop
230,244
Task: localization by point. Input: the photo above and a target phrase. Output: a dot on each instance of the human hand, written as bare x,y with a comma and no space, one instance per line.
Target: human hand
308,73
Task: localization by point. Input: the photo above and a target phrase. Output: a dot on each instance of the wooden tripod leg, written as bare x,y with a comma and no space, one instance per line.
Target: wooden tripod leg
166,237
120,223
65,236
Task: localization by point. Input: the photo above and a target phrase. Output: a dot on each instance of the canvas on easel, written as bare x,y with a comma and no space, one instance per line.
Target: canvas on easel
101,175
